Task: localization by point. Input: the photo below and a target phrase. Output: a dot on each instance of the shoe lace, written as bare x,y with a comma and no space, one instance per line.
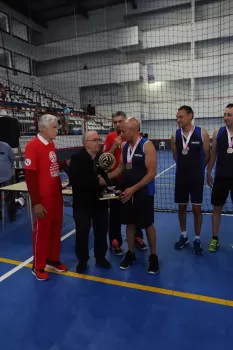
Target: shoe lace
213,243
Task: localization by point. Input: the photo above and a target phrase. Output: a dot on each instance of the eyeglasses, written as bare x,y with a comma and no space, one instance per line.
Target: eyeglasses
95,140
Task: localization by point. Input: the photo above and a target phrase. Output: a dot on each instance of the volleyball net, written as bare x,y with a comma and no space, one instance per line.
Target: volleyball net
146,58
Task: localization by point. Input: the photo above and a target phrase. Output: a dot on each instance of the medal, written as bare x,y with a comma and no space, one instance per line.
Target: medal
130,154
185,144
230,142
185,151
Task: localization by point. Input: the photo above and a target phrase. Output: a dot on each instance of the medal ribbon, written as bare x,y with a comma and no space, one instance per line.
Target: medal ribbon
230,139
130,154
185,144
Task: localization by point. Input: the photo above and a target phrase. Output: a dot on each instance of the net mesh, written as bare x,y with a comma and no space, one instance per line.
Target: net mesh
145,57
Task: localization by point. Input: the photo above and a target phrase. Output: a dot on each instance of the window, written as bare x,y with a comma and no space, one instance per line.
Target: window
5,58
4,22
22,63
19,30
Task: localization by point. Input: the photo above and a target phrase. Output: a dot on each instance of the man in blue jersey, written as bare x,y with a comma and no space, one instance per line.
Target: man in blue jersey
138,168
222,154
190,146
7,159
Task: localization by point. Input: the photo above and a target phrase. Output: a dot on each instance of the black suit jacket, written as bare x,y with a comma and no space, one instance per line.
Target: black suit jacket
84,181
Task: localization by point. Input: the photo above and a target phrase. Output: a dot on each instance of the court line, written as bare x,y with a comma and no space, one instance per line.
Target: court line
135,286
164,171
26,262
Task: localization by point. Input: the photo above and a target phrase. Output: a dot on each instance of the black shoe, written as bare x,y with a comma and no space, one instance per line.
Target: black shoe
104,263
153,264
81,267
129,259
12,218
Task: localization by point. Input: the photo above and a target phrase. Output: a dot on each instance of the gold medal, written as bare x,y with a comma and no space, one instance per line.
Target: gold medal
230,150
128,166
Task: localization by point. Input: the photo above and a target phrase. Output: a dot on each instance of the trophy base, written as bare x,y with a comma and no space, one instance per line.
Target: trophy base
110,193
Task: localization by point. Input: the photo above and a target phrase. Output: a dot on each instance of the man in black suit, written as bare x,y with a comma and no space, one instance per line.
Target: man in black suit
87,187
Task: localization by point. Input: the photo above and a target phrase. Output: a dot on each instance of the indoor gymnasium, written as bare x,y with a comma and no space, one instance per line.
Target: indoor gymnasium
122,237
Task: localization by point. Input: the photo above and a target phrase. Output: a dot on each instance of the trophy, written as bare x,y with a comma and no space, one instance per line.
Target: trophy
105,163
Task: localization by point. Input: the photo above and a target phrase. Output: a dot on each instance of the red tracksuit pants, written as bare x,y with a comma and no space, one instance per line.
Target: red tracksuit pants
47,232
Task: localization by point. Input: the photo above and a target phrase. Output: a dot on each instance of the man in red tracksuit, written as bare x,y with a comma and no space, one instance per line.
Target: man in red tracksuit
44,186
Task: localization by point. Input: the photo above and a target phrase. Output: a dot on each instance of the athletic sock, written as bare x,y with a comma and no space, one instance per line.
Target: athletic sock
197,238
184,234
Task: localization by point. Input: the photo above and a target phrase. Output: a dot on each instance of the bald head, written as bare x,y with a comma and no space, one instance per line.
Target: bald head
131,129
133,124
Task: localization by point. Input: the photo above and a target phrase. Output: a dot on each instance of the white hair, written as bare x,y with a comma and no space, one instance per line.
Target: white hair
45,120
86,135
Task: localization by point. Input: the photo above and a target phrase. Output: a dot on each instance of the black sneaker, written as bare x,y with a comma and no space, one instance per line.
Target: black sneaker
12,218
153,264
104,263
81,267
197,248
129,259
183,241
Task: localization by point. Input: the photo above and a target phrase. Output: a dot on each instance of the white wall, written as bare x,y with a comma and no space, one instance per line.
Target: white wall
168,40
158,20
215,47
104,40
131,109
99,20
191,61
67,88
211,10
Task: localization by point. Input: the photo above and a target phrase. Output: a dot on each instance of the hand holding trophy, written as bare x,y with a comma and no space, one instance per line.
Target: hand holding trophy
105,163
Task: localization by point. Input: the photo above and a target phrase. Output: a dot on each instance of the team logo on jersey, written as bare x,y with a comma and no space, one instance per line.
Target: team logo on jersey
27,162
52,156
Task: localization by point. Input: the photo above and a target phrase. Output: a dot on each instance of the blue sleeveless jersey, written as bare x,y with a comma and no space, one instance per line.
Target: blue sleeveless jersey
192,164
224,163
132,176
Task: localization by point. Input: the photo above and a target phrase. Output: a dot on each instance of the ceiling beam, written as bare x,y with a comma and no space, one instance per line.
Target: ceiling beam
63,14
77,6
24,10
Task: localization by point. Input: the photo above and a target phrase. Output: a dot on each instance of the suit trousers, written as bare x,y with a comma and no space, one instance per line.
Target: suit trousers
115,220
84,218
